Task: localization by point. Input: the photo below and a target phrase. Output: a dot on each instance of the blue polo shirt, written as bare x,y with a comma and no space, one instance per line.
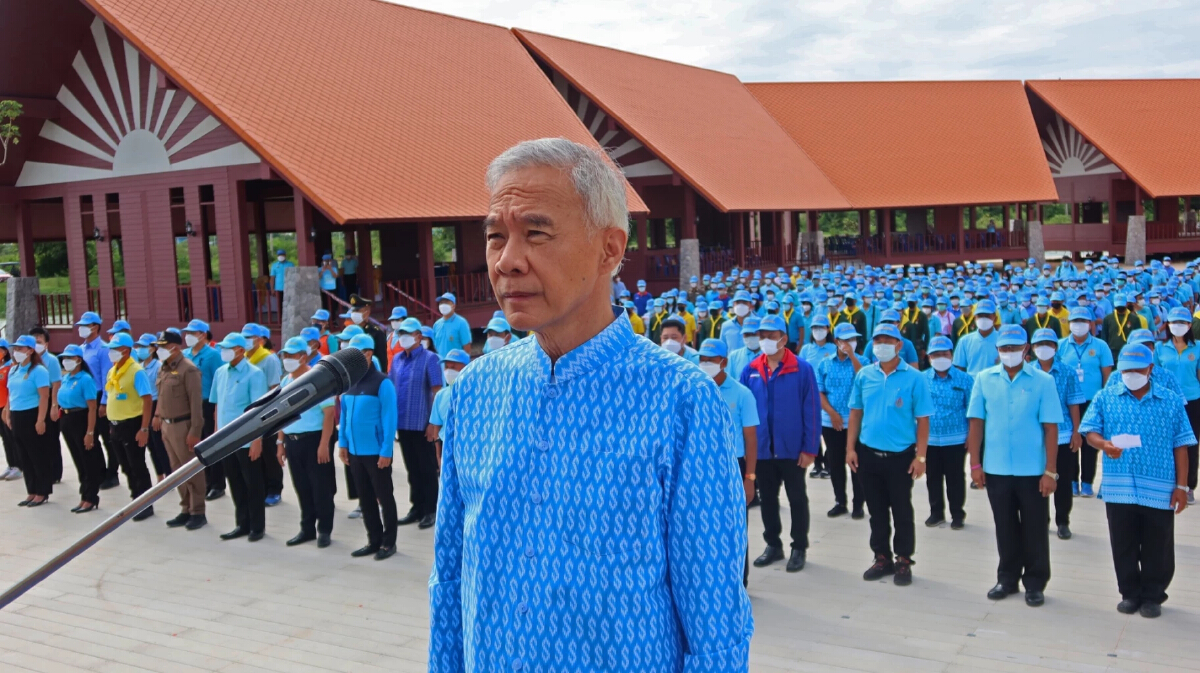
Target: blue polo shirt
150,367
948,423
813,354
731,334
440,413
208,361
891,405
1066,385
450,333
1085,361
95,354
975,353
737,361
278,271
53,368
1182,365
76,391
742,408
23,386
1013,412
234,388
312,420
835,379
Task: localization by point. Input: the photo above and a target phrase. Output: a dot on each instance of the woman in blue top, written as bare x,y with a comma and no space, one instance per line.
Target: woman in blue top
27,411
77,406
306,447
821,346
1181,355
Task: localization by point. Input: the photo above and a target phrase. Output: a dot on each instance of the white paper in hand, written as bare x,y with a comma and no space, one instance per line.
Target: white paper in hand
1127,441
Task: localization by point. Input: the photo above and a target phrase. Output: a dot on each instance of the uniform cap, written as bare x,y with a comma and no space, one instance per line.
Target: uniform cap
1011,335
1043,335
295,345
845,331
1134,356
457,355
89,318
940,343
231,340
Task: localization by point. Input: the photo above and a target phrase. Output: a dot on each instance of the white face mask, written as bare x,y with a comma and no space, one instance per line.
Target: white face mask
85,331
769,346
851,345
69,365
927,310
1178,329
495,343
445,309
984,324
819,334
281,258
1012,359
191,340
396,324
115,356
356,318
20,356
883,352
1044,352
741,310
672,345
290,365
425,343
1080,328
450,376
751,342
312,350
407,341
1134,380
1155,302
940,364
163,353
710,368
1043,310
227,355
40,348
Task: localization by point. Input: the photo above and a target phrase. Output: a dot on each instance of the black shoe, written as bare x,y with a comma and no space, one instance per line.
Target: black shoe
882,567
86,508
385,552
323,540
957,524
75,509
838,510
824,473
1000,592
197,522
180,520
144,514
301,539
427,521
368,550
857,514
235,533
25,502
1064,532
255,536
110,483
1129,606
796,561
1035,599
769,556
903,576
1150,610
755,502
214,493
410,518
815,473
935,520
39,503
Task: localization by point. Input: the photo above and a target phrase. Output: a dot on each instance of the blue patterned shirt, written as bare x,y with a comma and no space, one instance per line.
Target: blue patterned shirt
1158,374
571,539
1144,475
1066,384
835,379
414,374
948,423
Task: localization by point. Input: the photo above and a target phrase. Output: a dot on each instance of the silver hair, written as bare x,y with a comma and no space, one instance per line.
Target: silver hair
596,179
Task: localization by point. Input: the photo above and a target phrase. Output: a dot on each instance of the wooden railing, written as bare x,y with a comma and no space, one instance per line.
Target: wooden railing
183,301
842,246
468,289
994,240
407,292
905,243
212,295
662,265
717,259
266,307
54,310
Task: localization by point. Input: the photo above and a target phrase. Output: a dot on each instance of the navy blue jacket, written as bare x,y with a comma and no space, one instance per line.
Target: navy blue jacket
789,407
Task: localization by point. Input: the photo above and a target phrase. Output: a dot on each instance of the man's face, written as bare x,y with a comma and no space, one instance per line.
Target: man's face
778,336
672,333
542,264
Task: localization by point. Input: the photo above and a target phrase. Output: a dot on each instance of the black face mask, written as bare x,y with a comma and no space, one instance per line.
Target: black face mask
849,303
319,326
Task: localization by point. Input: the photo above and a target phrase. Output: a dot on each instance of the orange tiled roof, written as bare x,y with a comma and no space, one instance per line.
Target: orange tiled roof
701,123
898,144
1147,127
375,111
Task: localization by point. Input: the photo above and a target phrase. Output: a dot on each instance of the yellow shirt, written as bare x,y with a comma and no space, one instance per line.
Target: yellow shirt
123,399
257,355
639,327
689,327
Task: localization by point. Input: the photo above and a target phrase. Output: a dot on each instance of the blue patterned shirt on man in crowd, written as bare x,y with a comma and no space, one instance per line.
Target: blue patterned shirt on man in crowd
835,380
951,393
416,376
1070,394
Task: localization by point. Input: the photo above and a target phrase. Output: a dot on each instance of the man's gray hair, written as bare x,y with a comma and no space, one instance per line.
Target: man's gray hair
598,182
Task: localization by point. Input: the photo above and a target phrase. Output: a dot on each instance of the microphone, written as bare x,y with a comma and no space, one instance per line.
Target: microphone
331,376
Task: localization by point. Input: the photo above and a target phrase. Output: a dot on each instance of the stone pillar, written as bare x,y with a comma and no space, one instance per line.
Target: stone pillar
1033,239
689,261
22,314
301,299
1135,240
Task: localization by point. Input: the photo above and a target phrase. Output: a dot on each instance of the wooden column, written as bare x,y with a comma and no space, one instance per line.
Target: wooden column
76,254
233,244
688,230
366,265
25,239
886,214
739,238
104,260
1137,200
197,259
777,234
425,261
306,254
641,233
159,242
962,232
813,224
140,297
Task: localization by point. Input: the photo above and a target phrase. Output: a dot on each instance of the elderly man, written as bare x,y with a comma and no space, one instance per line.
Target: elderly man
545,503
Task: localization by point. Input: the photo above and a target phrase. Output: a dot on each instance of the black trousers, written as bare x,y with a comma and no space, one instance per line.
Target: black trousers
36,462
214,475
55,431
1068,473
787,472
351,490
246,487
158,451
1086,460
1193,413
133,457
89,463
12,457
945,473
1143,549
746,567
835,462
420,460
1020,513
272,470
887,486
104,436
313,481
376,497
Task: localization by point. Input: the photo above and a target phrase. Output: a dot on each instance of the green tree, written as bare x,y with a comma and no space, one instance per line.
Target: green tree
9,132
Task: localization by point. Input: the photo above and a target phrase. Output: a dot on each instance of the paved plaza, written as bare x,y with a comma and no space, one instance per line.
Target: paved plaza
152,599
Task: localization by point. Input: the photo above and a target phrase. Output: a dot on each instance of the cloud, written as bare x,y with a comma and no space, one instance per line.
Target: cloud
775,40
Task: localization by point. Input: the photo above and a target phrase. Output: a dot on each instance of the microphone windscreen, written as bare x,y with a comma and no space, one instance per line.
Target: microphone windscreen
349,364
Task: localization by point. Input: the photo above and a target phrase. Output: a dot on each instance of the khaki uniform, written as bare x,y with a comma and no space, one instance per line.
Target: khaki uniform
180,406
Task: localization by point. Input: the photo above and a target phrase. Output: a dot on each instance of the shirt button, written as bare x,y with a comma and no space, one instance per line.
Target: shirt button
544,445
537,498
523,608
517,664
529,552
551,392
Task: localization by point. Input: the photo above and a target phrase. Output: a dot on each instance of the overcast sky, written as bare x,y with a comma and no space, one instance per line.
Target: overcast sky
780,40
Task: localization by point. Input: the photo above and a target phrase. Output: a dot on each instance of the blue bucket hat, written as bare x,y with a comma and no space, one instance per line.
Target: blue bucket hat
350,332
72,351
1134,356
940,343
362,342
120,326
234,340
750,325
1079,313
196,325
398,313
772,323
122,340
1043,335
1011,335
89,318
887,330
714,348
845,331
295,345
499,325
321,315
1179,314
27,341
457,355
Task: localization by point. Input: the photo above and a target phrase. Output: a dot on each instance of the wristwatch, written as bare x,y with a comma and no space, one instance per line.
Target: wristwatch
1182,487
751,476
144,430
921,459
1052,475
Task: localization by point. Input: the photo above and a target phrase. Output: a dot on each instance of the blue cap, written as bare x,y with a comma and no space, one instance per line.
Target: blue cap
321,315
310,334
750,325
398,313
986,306
120,326
1141,336
350,332
280,252
448,297
887,330
295,345
714,348
1179,314
890,315
122,340
940,343
845,331
1118,300
1011,335
233,340
1044,334
1057,296
89,318
772,323
147,340
741,295
362,342
251,330
717,305
500,325
426,331
326,256
624,304
27,341
658,302
346,315
694,279
72,351
457,355
1080,313
196,325
1134,356
410,325
1042,301
820,321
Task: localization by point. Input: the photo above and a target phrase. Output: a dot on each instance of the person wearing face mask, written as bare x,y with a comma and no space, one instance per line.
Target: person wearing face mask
731,330
935,323
451,330
1070,397
360,316
976,350
674,336
821,346
261,356
304,446
179,416
27,414
320,320
328,273
852,315
886,444
709,325
77,402
914,326
1180,355
312,337
654,318
207,359
794,319
236,384
635,320
946,477
352,331
367,422
11,455
499,334
835,379
908,352
130,406
1090,361
872,308
349,273
399,313
739,358
427,338
1016,410
1144,486
96,356
1058,311
944,316
142,354
1118,325
452,365
52,366
278,270
416,375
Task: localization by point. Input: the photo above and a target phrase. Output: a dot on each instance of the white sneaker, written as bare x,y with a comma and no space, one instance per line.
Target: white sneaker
356,514
13,474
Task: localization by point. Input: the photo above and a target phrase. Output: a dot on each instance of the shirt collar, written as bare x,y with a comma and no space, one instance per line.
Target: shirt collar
609,345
